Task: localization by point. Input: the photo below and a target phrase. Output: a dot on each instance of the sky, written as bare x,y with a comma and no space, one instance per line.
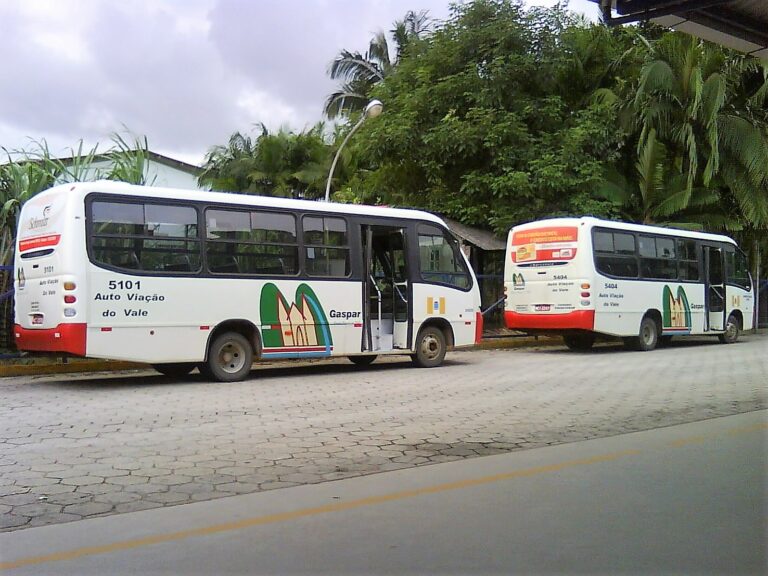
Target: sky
184,73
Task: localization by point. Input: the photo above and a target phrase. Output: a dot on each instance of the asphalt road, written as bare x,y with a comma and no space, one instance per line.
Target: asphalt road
687,499
82,446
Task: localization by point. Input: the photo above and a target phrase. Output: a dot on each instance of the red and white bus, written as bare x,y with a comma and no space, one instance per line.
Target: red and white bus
579,277
183,279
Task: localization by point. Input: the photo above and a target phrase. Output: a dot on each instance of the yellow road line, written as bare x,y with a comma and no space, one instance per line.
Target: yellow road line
691,440
731,432
303,513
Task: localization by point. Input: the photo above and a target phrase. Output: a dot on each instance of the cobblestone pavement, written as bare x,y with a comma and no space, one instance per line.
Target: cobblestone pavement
76,446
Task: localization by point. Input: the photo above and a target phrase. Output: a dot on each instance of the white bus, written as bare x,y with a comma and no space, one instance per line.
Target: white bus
579,277
183,279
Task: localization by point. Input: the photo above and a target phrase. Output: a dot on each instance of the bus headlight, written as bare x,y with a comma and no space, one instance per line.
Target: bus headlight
70,312
585,302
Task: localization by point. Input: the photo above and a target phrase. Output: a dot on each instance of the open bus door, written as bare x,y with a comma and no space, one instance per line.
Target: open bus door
714,299
388,318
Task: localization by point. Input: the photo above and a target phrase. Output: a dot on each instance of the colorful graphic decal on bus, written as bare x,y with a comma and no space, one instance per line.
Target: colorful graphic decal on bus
436,305
677,312
544,244
297,328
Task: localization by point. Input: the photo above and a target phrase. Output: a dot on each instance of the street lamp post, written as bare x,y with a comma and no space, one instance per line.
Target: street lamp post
373,109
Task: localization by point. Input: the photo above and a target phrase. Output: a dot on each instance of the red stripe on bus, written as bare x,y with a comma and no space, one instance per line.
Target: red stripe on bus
296,349
577,320
64,338
39,242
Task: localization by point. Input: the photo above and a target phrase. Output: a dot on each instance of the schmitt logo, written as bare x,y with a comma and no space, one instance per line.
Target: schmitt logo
35,223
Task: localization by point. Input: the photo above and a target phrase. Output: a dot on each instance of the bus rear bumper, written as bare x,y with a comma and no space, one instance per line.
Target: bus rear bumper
577,320
64,338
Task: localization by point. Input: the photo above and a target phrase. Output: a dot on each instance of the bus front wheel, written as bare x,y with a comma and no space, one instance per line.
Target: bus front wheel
229,358
430,348
732,330
175,369
647,338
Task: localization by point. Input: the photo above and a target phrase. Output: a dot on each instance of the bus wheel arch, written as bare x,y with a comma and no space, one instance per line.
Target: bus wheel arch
434,338
649,332
733,327
232,346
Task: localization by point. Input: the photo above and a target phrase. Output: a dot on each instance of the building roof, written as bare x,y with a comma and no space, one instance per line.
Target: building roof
475,236
155,157
738,24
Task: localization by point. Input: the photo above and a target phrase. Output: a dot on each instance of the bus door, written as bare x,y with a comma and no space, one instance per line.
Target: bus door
387,309
714,300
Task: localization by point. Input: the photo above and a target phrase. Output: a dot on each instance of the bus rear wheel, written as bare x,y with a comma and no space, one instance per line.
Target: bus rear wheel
579,341
175,369
647,338
230,358
732,330
430,348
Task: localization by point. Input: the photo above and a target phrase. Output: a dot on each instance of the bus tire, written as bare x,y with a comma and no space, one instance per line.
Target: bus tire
430,347
647,338
732,330
230,358
366,360
579,341
175,369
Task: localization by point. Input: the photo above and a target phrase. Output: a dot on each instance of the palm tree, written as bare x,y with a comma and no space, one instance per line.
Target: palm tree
657,192
691,94
273,164
359,73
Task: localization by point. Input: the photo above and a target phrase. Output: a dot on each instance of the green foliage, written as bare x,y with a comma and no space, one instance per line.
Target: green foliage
487,120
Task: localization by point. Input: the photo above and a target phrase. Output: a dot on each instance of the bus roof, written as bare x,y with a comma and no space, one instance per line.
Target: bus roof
591,222
121,188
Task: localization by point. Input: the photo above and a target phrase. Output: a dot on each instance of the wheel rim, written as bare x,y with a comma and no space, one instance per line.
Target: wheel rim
731,330
648,334
430,347
231,357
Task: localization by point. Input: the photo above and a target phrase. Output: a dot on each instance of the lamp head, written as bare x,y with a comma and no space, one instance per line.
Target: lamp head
373,109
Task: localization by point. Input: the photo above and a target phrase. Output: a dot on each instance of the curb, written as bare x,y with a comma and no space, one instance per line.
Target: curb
505,343
86,366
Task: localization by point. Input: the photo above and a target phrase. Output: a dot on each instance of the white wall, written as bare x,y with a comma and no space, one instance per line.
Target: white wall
157,174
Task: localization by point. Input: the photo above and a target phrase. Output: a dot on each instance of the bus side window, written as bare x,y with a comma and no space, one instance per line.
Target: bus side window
737,268
440,260
615,254
688,260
